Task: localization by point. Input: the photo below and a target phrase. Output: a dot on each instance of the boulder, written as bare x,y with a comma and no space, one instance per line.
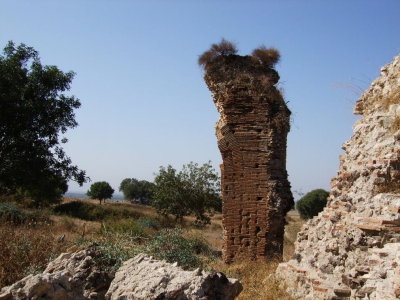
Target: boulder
70,276
78,275
143,277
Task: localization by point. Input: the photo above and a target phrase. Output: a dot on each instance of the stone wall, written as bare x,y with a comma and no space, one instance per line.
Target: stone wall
351,250
251,132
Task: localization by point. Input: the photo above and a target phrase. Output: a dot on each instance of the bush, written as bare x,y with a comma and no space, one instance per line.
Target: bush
149,223
172,246
223,48
92,212
11,214
312,203
112,251
267,57
124,226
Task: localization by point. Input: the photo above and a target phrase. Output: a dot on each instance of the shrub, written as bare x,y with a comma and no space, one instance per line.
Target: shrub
172,246
112,250
149,223
312,203
223,48
266,56
124,226
9,213
92,212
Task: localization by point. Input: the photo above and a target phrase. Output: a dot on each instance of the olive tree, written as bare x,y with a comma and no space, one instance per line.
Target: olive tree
194,190
34,113
134,190
100,190
312,203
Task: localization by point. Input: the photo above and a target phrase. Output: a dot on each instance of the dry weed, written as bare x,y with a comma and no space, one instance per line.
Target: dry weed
395,125
25,250
257,279
392,98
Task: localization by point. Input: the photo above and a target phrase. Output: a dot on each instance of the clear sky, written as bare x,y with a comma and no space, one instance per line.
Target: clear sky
144,101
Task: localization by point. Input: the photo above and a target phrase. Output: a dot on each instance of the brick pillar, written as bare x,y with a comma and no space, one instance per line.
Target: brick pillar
251,132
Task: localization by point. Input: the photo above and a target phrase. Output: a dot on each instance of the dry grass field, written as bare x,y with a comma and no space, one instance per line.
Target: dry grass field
125,229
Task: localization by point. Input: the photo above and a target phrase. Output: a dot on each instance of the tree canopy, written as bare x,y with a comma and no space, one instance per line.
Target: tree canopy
192,191
100,190
134,190
34,112
312,203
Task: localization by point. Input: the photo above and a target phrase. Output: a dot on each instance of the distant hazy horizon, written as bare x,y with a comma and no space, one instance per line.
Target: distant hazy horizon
77,194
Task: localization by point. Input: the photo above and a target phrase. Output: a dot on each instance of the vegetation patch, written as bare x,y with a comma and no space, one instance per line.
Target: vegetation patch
172,246
25,250
257,278
312,203
92,212
129,227
395,125
392,98
13,215
113,250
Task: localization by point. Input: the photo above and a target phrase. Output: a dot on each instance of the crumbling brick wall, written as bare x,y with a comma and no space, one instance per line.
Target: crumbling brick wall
351,250
252,133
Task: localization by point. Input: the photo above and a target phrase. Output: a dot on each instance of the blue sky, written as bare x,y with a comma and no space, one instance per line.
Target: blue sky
144,101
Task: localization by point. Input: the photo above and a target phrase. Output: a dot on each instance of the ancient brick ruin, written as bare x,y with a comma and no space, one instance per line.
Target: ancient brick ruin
251,132
351,250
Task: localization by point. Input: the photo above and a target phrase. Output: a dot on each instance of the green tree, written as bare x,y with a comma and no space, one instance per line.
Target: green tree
192,191
134,190
33,113
100,190
312,203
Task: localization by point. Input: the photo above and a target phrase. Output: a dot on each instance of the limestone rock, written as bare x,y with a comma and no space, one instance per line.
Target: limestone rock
77,276
351,249
143,277
70,276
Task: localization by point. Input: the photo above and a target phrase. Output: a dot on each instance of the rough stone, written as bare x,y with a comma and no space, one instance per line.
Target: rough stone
77,276
70,276
143,277
351,250
251,132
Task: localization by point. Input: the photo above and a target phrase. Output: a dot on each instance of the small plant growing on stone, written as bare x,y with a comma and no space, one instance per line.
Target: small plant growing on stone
312,203
222,48
392,98
266,56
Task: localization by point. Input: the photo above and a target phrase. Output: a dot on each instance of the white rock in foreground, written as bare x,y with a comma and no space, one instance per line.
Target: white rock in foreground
77,276
71,276
143,277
